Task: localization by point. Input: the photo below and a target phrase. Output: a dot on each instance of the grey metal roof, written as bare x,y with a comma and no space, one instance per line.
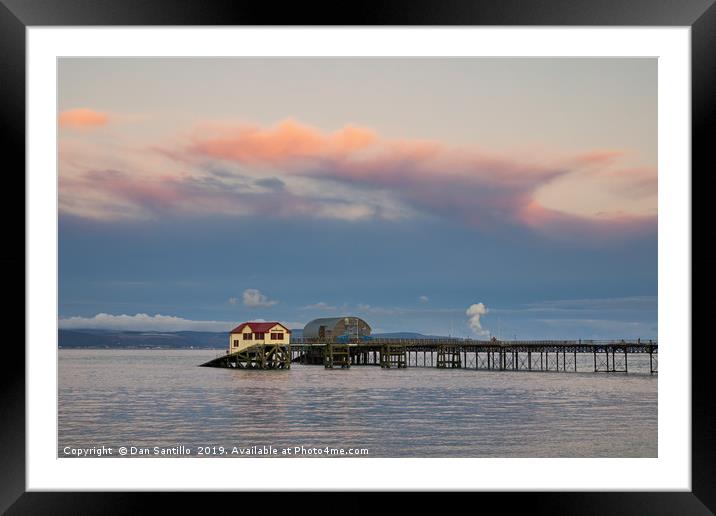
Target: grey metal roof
311,329
328,322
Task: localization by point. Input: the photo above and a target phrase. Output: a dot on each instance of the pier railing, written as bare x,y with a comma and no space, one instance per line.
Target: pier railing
633,345
531,355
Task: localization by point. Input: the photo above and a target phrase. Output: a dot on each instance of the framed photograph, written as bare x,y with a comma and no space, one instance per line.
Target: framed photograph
410,249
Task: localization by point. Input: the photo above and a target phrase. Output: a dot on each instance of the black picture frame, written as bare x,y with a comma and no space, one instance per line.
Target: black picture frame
17,15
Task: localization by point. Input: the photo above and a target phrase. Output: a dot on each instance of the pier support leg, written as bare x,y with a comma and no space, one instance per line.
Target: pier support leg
595,359
614,363
651,359
328,357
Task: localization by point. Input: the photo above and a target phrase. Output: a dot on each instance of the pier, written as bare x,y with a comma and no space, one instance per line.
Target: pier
261,356
445,353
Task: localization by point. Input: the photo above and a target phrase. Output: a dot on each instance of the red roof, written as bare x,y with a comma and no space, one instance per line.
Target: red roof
258,327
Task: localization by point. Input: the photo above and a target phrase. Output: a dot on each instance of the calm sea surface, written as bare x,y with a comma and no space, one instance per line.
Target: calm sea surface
148,398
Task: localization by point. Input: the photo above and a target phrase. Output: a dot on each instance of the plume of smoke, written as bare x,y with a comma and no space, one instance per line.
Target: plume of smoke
474,312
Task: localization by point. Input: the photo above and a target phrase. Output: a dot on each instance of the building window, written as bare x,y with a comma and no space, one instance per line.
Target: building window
236,343
277,336
247,336
259,336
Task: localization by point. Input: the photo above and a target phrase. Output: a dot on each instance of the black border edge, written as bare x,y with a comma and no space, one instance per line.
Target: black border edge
15,15
533,503
386,12
703,120
12,259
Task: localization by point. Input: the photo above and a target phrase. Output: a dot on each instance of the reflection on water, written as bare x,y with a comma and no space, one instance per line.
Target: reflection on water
148,398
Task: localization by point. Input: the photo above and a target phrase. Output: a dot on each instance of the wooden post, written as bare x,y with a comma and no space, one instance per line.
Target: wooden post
614,362
651,358
328,357
594,349
575,360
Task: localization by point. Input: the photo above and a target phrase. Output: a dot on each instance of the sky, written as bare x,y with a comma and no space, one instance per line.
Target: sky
472,197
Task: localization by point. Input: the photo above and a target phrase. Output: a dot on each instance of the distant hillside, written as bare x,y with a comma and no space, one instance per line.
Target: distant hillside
404,335
171,340
141,339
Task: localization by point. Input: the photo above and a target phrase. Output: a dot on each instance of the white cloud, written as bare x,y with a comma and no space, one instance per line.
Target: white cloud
366,308
474,312
636,303
423,299
253,298
142,322
157,322
319,306
233,300
401,310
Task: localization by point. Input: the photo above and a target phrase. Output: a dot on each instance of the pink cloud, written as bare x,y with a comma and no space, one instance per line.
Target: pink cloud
598,157
635,182
474,187
594,230
287,141
477,188
224,169
82,118
114,195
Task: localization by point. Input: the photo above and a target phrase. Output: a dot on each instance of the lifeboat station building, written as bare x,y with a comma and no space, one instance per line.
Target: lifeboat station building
250,334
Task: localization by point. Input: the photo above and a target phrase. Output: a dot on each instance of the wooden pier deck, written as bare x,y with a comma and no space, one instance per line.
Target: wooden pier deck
546,355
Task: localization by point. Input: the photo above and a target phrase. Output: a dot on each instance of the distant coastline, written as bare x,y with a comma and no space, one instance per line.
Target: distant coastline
116,339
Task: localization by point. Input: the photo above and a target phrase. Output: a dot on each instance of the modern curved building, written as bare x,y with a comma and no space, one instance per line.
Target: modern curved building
331,328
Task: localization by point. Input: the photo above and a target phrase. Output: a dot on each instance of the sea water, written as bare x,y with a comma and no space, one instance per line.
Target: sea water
160,402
